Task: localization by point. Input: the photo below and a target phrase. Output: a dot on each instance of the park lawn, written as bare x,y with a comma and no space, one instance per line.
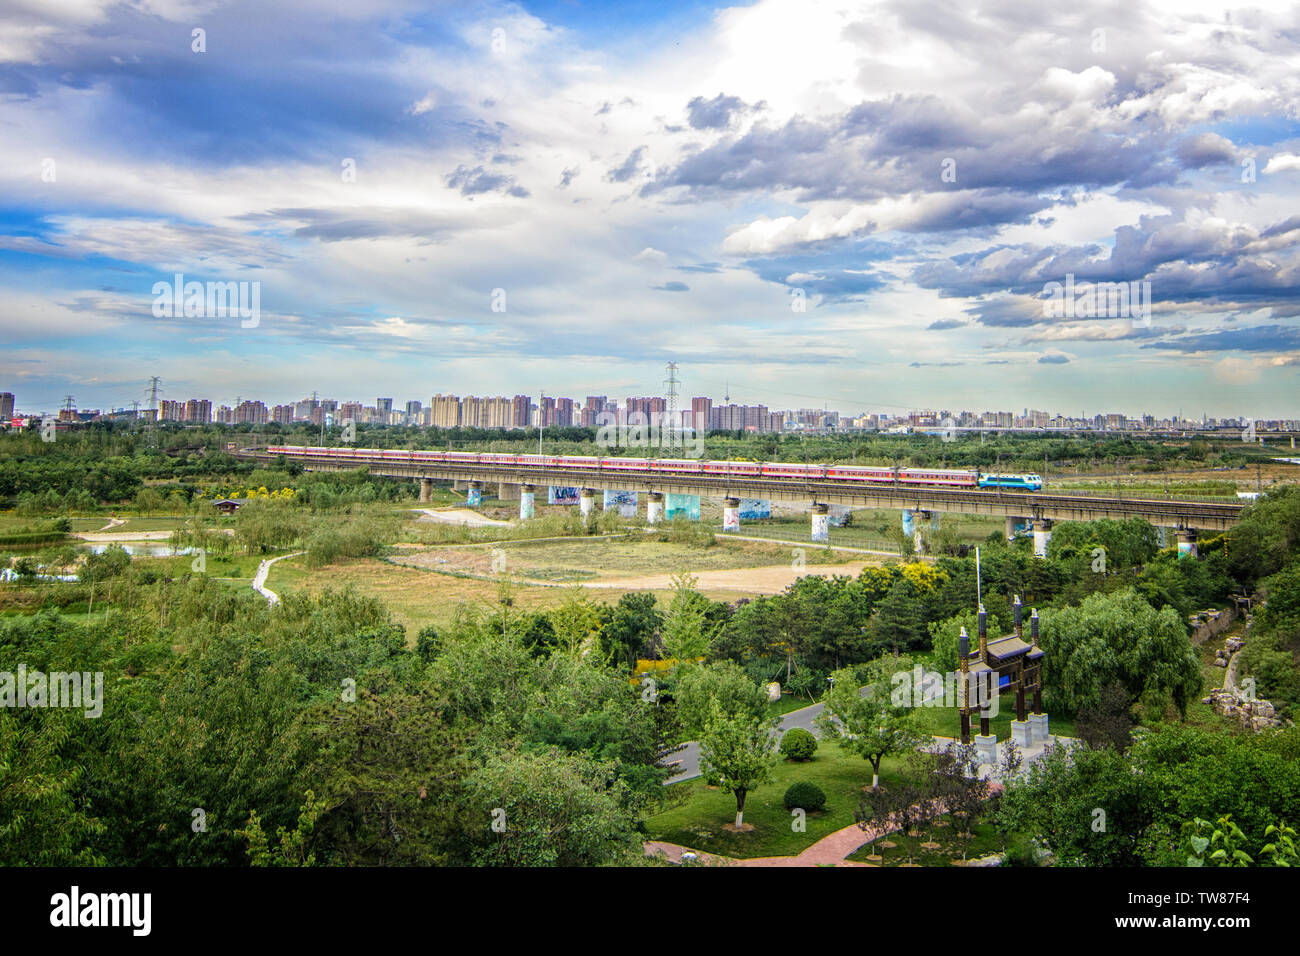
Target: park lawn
945,721
798,529
985,840
698,821
238,568
787,704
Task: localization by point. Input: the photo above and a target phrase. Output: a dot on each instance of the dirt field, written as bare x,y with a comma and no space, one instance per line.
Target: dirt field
598,560
747,581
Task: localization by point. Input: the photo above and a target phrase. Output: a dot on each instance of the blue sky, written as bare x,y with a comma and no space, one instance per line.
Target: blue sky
652,182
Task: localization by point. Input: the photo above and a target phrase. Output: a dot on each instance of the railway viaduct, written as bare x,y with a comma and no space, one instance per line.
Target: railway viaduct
1185,517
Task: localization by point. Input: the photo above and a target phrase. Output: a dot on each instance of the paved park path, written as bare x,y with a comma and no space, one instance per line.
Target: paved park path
830,850
263,569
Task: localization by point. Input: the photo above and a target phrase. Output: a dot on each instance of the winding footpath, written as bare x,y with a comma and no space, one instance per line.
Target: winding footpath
263,569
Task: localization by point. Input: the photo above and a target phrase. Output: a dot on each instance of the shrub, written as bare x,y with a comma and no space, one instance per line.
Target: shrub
798,744
805,796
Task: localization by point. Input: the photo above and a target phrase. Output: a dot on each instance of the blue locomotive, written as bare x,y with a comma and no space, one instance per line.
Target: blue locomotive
1023,482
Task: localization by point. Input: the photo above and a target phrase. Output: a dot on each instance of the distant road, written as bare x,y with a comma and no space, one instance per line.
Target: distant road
688,760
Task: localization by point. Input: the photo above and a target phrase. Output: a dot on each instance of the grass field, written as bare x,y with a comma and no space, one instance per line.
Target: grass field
417,597
698,821
867,529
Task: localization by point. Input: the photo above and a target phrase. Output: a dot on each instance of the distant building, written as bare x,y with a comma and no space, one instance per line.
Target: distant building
251,413
6,405
444,411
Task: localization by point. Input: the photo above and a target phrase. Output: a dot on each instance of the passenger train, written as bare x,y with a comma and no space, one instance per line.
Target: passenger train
696,466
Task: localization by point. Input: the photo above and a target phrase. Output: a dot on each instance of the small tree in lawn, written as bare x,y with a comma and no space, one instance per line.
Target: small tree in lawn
737,753
964,791
869,724
887,808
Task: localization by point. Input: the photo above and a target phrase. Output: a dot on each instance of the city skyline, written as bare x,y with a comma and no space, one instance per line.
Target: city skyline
701,413
848,205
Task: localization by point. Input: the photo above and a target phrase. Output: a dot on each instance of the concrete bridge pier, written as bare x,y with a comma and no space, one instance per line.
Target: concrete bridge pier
821,522
426,489
507,491
654,507
526,494
474,494
587,502
913,519
1187,543
731,514
1042,535
1012,521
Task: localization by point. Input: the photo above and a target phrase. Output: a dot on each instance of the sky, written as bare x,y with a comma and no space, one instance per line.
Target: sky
860,206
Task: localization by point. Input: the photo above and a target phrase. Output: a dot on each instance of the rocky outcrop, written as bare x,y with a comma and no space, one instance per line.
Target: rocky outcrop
1207,624
1253,714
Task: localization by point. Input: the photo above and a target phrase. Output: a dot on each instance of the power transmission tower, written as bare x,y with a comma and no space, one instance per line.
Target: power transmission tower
673,419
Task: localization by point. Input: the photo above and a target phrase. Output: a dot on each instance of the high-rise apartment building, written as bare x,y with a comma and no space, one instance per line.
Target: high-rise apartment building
701,412
251,413
564,412
444,411
522,411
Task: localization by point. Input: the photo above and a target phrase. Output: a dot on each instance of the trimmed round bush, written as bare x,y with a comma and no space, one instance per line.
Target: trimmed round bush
798,744
805,796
